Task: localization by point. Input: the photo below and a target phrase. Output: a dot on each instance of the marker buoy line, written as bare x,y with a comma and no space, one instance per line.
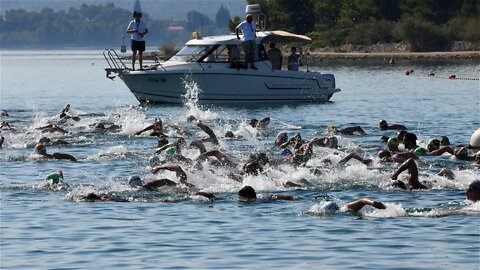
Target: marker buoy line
431,74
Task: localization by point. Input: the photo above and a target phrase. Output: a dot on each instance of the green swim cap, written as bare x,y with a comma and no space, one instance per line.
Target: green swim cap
420,151
171,150
434,143
393,141
54,177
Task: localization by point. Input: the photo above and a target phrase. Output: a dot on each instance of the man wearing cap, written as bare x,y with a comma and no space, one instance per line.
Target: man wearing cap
248,28
138,29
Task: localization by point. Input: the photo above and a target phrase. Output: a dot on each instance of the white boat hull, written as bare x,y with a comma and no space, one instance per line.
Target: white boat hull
221,86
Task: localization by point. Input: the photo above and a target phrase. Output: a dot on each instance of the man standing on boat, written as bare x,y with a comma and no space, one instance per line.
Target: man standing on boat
138,29
248,28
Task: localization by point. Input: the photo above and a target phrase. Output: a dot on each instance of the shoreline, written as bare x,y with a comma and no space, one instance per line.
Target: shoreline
399,57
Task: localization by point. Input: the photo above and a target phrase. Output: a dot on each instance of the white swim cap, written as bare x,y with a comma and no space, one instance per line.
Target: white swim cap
135,181
330,206
153,159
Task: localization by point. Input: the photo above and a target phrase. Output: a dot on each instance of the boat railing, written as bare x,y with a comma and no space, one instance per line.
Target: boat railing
115,63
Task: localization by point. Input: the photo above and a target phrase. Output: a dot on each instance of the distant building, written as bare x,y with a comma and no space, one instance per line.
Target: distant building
174,27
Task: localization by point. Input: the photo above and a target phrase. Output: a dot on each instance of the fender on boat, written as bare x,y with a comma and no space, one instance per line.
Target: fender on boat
475,139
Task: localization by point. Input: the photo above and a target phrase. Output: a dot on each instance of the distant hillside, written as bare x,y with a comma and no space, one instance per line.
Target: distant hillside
157,9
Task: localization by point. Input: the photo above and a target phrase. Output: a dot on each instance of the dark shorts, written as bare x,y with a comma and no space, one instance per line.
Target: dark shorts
138,45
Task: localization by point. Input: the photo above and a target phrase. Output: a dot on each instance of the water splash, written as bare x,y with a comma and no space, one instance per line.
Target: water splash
191,98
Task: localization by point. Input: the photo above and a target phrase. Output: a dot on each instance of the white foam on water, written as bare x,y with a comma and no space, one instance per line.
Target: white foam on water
114,152
392,210
190,100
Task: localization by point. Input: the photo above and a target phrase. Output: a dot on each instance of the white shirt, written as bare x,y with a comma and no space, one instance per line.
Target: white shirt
248,30
141,26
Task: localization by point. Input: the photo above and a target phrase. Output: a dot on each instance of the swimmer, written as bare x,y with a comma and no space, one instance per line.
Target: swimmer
354,206
410,142
180,130
222,158
248,193
444,141
92,197
46,140
281,138
4,114
55,179
461,153
255,163
40,149
52,128
157,128
180,174
366,161
434,149
260,124
383,125
162,140
65,115
230,135
177,146
413,182
5,126
392,144
473,191
211,135
353,130
2,139
103,127
199,145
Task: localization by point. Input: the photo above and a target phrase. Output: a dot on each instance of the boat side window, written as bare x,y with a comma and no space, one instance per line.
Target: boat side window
209,54
189,53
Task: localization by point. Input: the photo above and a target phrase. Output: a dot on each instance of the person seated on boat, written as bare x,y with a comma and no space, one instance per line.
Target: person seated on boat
385,126
248,28
157,128
40,149
275,56
353,130
211,135
294,59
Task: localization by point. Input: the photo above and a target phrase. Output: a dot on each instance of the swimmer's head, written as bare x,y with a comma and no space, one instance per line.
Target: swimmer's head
384,154
420,151
399,184
171,150
332,142
477,157
400,135
331,128
262,158
40,149
135,181
286,153
409,140
229,134
282,138
461,152
153,160
473,191
60,174
383,124
444,141
330,207
247,193
393,142
180,141
253,122
433,144
44,140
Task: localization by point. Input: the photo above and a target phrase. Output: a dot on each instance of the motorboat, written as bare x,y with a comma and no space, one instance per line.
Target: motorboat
215,65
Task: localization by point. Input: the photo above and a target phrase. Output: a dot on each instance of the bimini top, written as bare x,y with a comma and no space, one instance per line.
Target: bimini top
262,37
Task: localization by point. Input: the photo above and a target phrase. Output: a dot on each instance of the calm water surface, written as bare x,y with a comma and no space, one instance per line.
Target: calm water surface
49,229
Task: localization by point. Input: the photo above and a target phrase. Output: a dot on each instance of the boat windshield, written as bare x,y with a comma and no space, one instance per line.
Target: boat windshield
197,53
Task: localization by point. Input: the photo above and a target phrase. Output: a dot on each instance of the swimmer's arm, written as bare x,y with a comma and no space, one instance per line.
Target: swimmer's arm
359,204
442,150
159,150
199,145
143,130
284,197
209,132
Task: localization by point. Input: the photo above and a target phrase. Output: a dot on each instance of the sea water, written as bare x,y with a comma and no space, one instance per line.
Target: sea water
51,229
